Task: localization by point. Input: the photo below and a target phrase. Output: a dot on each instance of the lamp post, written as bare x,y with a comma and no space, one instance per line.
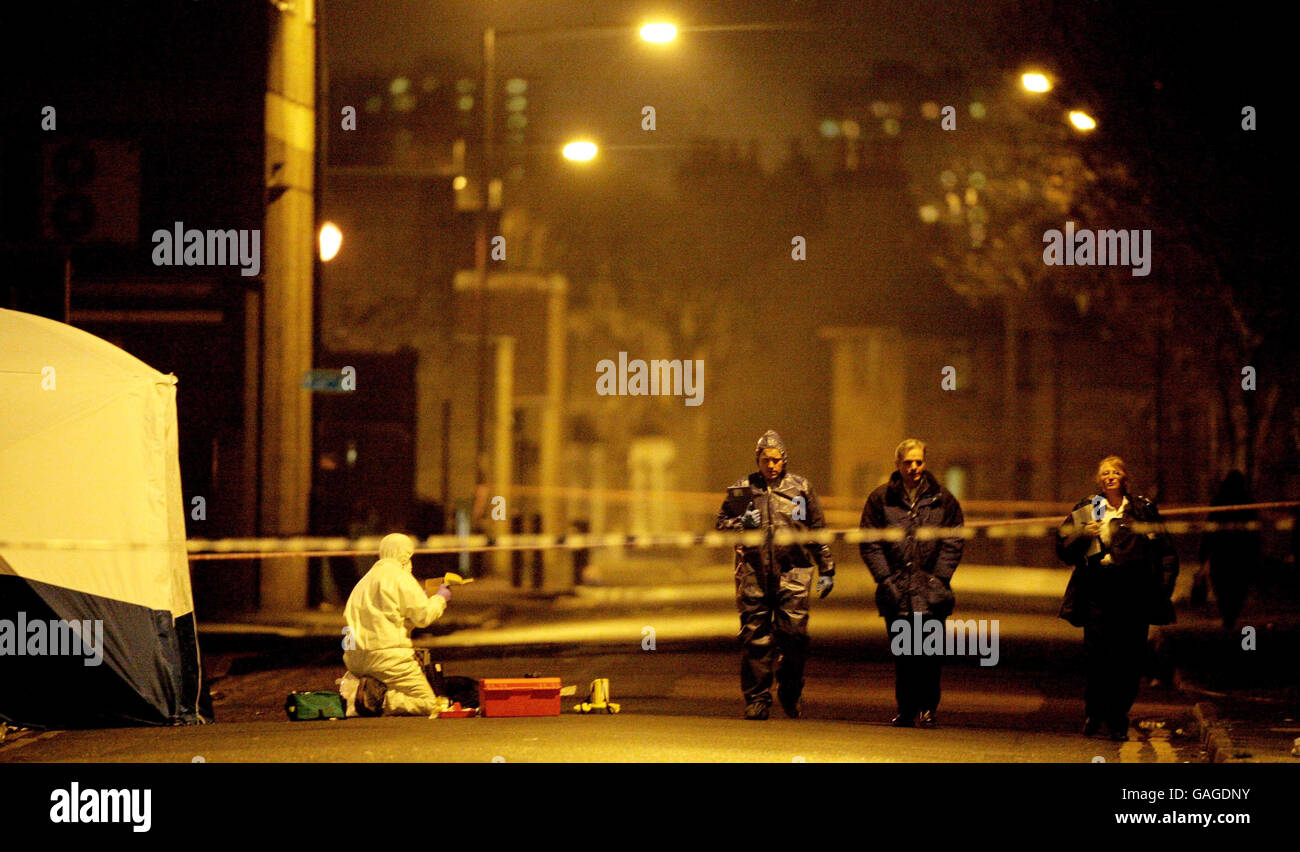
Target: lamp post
658,33
654,33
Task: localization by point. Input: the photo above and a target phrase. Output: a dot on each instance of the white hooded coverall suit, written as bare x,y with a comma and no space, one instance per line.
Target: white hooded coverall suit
381,611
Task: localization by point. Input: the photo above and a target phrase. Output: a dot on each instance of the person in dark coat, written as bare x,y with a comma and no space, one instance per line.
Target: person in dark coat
1232,555
773,581
913,575
1122,582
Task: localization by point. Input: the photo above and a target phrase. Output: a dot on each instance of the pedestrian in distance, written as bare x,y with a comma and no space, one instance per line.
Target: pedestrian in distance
774,581
384,675
1231,555
913,576
1122,582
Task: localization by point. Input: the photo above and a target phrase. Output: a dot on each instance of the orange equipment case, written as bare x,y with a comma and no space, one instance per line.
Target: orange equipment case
520,696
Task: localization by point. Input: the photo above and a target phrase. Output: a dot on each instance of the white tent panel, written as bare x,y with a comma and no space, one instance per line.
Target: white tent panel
89,452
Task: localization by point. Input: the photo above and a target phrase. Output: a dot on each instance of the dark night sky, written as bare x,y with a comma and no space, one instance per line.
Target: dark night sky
741,85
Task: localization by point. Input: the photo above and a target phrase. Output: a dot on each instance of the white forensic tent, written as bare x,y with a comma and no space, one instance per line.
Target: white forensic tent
89,457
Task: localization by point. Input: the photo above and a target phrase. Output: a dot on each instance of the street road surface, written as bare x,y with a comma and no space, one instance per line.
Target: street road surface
680,703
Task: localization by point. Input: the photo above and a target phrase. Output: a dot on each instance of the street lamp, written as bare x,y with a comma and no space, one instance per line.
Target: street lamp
656,32
331,239
1036,82
1082,121
659,32
581,151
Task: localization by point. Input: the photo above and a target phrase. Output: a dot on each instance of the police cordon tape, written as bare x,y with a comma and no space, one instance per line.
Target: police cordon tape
308,546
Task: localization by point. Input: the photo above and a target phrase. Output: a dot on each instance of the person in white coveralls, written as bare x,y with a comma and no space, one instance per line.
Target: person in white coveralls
386,604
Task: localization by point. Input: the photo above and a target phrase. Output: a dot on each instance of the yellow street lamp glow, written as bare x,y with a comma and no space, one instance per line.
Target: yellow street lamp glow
580,152
1033,81
1082,121
331,239
659,32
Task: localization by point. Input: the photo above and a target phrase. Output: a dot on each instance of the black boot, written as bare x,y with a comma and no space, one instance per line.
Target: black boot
370,696
791,702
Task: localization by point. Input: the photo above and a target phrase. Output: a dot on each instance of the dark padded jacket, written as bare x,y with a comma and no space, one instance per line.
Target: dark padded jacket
1140,582
912,575
777,506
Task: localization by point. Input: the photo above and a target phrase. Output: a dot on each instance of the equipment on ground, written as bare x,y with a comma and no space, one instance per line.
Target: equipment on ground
598,699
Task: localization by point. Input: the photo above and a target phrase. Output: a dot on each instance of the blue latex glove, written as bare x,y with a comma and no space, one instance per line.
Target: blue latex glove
824,586
751,520
445,591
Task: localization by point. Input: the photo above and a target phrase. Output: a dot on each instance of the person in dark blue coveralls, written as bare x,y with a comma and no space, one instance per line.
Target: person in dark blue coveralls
773,581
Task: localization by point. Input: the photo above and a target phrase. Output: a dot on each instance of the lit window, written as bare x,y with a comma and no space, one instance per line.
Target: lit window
954,479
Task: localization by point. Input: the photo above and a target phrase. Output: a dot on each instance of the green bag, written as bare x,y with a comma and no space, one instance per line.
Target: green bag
304,706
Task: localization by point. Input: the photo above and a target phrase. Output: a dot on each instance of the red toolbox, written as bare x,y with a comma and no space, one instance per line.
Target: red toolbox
520,696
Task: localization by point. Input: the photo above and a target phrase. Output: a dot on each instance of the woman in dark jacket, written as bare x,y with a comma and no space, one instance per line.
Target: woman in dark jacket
1122,582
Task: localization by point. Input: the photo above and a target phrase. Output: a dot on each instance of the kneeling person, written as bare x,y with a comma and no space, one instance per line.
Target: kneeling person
381,611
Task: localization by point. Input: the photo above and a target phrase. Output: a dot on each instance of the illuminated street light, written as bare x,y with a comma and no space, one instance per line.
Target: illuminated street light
1036,82
580,152
659,33
331,239
1082,121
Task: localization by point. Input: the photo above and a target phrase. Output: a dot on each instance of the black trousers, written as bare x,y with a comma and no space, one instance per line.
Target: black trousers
773,630
1115,653
916,676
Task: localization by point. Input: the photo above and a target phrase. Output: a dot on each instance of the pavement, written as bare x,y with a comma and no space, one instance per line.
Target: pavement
1246,684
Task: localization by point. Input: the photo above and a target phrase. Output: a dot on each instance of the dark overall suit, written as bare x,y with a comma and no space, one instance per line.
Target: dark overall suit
773,583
